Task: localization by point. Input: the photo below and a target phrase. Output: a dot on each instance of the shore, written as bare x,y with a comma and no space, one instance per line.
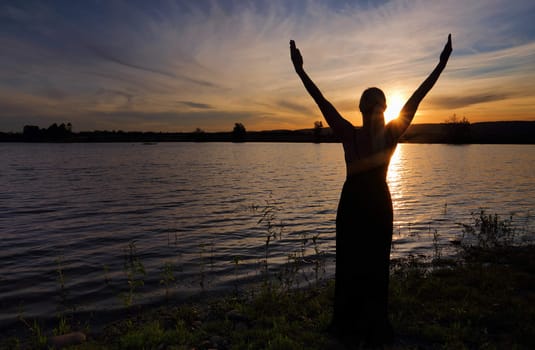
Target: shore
513,132
484,298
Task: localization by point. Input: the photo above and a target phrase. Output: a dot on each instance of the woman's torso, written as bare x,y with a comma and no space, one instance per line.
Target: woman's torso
366,152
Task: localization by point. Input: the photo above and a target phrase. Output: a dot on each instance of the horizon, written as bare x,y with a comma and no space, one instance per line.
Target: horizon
177,66
229,130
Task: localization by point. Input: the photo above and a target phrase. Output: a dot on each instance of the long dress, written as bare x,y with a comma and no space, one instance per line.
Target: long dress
364,225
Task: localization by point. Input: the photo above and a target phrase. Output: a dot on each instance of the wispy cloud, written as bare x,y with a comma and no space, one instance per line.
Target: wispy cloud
464,101
196,105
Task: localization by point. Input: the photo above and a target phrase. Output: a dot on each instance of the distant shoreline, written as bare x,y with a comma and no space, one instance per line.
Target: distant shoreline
513,132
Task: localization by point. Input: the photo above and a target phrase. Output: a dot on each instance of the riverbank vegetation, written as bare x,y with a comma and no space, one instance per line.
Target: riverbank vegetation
452,131
482,297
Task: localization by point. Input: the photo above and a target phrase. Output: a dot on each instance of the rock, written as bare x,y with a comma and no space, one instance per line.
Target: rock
241,326
236,316
61,341
218,341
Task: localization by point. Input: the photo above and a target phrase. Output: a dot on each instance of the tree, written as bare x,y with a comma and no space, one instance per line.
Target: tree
54,132
458,130
31,132
238,133
58,132
318,126
198,135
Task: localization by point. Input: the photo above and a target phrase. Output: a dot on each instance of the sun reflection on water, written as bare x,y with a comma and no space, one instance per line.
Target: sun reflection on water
394,173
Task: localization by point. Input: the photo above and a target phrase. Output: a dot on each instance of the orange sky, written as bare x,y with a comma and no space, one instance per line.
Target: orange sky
178,66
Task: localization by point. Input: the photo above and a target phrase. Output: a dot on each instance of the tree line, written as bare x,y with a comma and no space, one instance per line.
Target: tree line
53,132
453,130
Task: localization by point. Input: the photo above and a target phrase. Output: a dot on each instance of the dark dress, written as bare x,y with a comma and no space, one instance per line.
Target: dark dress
363,239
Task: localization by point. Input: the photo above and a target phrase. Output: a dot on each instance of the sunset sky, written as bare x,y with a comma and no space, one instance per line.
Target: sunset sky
181,65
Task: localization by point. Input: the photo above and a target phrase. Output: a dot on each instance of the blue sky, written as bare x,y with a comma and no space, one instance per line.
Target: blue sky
181,65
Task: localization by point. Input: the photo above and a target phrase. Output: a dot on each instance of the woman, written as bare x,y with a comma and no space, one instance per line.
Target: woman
364,218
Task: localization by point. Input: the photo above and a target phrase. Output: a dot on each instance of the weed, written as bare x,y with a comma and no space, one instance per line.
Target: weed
167,277
63,326
59,270
288,274
147,337
106,269
38,339
319,260
202,265
489,230
299,264
236,260
134,271
437,248
301,261
61,282
274,229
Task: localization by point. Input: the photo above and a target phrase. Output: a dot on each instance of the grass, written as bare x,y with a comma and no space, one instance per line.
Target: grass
480,302
486,300
482,299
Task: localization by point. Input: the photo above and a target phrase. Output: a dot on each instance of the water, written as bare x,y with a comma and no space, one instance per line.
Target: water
74,208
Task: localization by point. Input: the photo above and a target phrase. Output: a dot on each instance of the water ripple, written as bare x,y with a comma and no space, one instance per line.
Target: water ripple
75,208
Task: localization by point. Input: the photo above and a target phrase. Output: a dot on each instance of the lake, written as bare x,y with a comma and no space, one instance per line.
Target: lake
71,215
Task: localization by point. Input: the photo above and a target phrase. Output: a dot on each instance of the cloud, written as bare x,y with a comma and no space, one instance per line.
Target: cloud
296,107
451,102
196,105
107,55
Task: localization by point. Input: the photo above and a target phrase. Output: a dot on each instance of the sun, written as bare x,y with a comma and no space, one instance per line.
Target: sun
394,103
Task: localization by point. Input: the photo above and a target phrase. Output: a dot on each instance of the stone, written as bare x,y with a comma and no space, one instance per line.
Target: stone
69,339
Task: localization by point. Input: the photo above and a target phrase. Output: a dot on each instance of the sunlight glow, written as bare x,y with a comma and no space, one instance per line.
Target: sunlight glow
394,103
395,174
394,168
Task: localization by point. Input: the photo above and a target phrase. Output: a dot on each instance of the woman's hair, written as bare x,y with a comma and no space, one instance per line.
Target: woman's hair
371,98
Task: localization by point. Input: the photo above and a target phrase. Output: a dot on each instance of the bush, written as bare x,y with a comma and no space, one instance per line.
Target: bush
489,230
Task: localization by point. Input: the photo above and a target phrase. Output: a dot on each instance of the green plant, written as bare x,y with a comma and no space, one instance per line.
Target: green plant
236,260
134,271
301,260
274,229
38,339
106,269
490,230
437,248
202,265
63,326
146,337
61,282
300,264
59,270
12,343
288,274
167,277
319,259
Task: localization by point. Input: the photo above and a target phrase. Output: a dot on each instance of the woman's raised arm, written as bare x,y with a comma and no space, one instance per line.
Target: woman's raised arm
399,125
340,126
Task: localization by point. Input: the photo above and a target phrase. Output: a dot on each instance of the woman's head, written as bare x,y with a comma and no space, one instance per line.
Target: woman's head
372,100
372,105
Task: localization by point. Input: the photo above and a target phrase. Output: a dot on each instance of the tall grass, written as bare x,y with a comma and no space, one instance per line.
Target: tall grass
489,230
134,271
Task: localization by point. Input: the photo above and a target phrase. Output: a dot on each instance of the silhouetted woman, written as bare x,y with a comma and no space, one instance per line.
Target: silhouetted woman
364,218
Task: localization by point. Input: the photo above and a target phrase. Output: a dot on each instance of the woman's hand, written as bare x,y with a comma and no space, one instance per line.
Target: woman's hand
445,55
297,59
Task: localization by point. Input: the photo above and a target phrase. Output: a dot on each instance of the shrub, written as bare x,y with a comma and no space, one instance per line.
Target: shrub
489,230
